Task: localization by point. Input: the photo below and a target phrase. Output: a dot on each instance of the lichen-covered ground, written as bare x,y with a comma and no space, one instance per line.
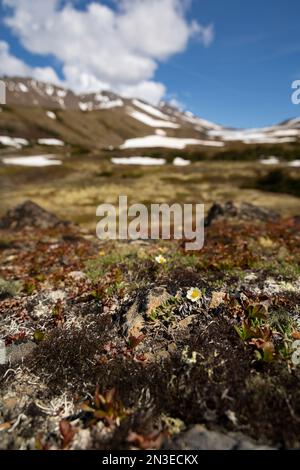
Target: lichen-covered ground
106,350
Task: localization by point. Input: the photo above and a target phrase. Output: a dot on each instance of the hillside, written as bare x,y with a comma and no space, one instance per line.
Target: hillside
99,121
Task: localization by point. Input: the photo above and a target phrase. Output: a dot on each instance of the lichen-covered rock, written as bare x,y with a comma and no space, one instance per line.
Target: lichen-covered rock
18,352
200,438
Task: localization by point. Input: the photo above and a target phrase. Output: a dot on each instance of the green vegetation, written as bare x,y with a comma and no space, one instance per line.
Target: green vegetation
9,288
165,311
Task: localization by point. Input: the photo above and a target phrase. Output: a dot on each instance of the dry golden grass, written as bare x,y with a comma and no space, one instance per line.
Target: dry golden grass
75,189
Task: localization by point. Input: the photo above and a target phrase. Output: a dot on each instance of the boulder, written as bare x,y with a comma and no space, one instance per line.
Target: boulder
243,211
200,438
28,214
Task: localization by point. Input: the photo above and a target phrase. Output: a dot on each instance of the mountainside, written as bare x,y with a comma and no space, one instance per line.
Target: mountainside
39,113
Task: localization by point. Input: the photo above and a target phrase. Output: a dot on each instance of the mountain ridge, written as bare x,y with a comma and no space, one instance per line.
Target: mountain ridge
37,110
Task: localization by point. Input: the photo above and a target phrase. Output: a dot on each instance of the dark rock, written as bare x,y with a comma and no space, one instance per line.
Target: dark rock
252,212
200,438
33,410
244,211
218,210
28,214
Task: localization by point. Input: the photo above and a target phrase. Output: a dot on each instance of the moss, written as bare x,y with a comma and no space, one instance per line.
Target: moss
5,244
9,288
278,268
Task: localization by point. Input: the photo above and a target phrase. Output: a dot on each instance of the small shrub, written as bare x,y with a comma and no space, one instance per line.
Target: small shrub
278,181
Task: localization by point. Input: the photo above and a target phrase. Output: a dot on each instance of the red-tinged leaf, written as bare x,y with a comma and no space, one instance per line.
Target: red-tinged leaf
109,396
5,426
134,341
67,432
267,348
97,397
153,441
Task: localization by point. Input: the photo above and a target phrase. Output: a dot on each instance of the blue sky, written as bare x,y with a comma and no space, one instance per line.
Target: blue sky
242,78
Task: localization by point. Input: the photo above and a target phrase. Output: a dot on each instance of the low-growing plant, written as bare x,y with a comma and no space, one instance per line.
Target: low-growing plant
4,244
265,350
9,288
106,407
165,311
38,336
29,287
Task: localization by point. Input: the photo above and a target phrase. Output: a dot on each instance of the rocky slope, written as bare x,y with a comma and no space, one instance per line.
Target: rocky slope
107,349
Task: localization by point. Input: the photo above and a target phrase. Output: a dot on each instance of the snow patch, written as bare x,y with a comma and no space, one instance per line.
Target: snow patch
49,90
156,141
151,122
189,117
267,135
101,98
111,104
61,93
16,142
178,161
55,142
270,161
295,164
150,109
105,103
51,115
86,106
23,88
34,161
160,132
146,161
285,133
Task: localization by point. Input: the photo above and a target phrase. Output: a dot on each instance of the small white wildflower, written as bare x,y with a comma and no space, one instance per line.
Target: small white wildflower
160,259
194,294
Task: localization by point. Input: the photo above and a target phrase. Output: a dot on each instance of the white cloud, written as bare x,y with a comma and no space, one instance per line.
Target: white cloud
101,47
145,90
10,65
205,34
46,74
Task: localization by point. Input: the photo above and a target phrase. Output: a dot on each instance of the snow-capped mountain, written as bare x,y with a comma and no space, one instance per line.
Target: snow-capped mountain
31,92
45,114
286,132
